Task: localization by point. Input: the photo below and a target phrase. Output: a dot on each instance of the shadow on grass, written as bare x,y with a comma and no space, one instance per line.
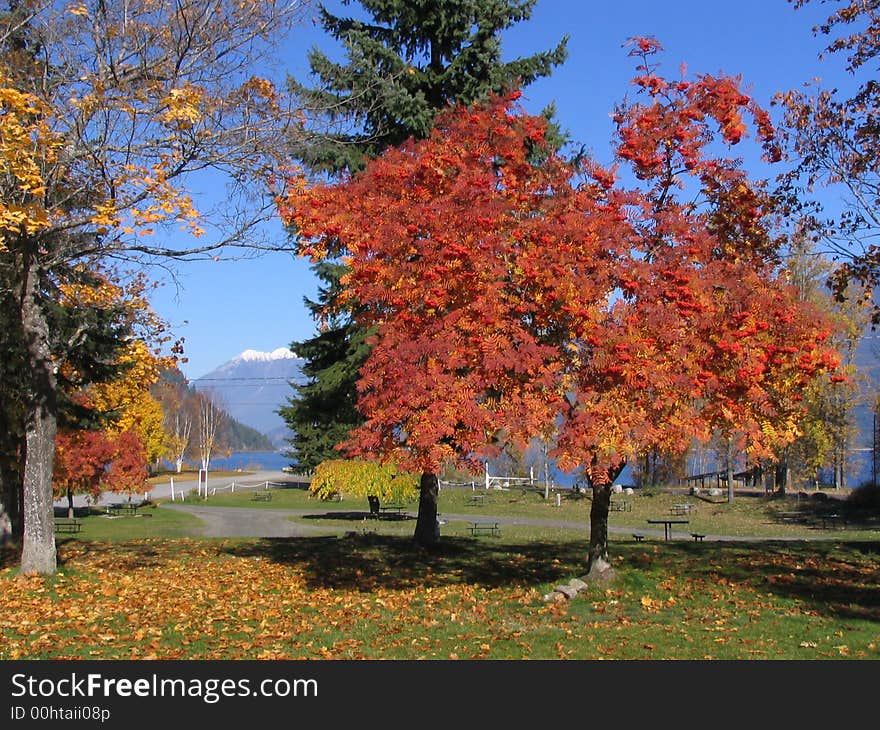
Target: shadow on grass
834,579
361,516
366,562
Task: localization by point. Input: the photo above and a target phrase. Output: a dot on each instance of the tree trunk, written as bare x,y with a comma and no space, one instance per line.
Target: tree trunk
38,546
427,532
70,503
782,475
730,491
597,558
10,505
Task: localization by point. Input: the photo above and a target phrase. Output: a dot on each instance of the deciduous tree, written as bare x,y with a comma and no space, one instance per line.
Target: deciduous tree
508,298
90,462
835,143
109,112
209,420
362,478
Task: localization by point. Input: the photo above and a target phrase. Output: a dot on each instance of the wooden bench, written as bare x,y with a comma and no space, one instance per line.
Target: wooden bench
697,536
638,537
63,524
122,508
262,497
485,528
397,508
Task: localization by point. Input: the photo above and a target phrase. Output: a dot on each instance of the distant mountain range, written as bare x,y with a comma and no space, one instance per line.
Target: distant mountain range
253,386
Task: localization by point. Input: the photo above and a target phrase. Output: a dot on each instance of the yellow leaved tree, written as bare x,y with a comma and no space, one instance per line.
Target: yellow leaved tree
110,114
363,479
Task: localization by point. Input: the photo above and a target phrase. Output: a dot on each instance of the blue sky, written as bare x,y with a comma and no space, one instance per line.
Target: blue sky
223,308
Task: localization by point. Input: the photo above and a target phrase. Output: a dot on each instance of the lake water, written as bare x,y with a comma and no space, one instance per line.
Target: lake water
250,461
275,461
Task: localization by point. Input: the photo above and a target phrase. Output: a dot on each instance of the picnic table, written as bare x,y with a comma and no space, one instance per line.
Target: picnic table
64,524
262,497
485,528
397,508
682,508
122,508
619,505
667,523
477,499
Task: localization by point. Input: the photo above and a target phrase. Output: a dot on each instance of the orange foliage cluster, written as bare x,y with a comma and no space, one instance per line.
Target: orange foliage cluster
509,300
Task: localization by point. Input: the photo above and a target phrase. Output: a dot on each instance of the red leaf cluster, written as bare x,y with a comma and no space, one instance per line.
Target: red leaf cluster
90,462
509,300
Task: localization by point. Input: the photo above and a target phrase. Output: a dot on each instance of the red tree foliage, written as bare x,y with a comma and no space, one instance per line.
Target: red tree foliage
91,461
515,293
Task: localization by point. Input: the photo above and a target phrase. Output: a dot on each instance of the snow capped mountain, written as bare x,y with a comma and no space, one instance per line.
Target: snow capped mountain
253,385
281,353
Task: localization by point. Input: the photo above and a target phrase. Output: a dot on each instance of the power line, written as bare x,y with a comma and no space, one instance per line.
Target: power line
274,377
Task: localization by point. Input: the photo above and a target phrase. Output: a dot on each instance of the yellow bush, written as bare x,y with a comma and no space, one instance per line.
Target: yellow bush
363,478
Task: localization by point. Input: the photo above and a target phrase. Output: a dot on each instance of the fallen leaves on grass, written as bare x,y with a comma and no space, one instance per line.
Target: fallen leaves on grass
209,603
188,599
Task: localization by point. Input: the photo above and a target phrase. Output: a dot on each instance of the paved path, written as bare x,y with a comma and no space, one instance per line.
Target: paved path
249,522
264,522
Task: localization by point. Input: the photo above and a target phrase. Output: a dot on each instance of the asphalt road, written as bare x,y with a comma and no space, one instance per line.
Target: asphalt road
185,484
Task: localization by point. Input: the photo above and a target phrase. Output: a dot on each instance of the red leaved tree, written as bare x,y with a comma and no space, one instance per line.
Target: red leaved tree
703,334
90,462
445,240
512,297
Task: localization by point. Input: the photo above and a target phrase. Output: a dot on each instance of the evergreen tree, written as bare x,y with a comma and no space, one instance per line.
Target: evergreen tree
411,60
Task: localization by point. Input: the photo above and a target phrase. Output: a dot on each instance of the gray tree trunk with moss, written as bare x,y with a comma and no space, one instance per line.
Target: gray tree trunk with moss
38,545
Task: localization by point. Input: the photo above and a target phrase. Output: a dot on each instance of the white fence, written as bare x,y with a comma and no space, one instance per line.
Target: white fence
495,481
231,487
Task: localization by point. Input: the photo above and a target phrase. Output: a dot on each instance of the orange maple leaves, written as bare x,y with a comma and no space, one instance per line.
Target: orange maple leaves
510,301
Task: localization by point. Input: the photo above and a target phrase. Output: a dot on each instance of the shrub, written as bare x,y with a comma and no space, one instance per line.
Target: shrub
363,478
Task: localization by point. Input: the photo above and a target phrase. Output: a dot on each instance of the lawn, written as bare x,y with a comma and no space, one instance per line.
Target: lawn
376,596
144,587
750,515
149,522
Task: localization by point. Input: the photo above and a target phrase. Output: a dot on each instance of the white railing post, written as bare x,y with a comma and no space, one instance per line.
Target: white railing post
172,488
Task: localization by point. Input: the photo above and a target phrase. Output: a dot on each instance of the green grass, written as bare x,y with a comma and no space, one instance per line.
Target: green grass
282,498
374,596
149,522
135,587
751,515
